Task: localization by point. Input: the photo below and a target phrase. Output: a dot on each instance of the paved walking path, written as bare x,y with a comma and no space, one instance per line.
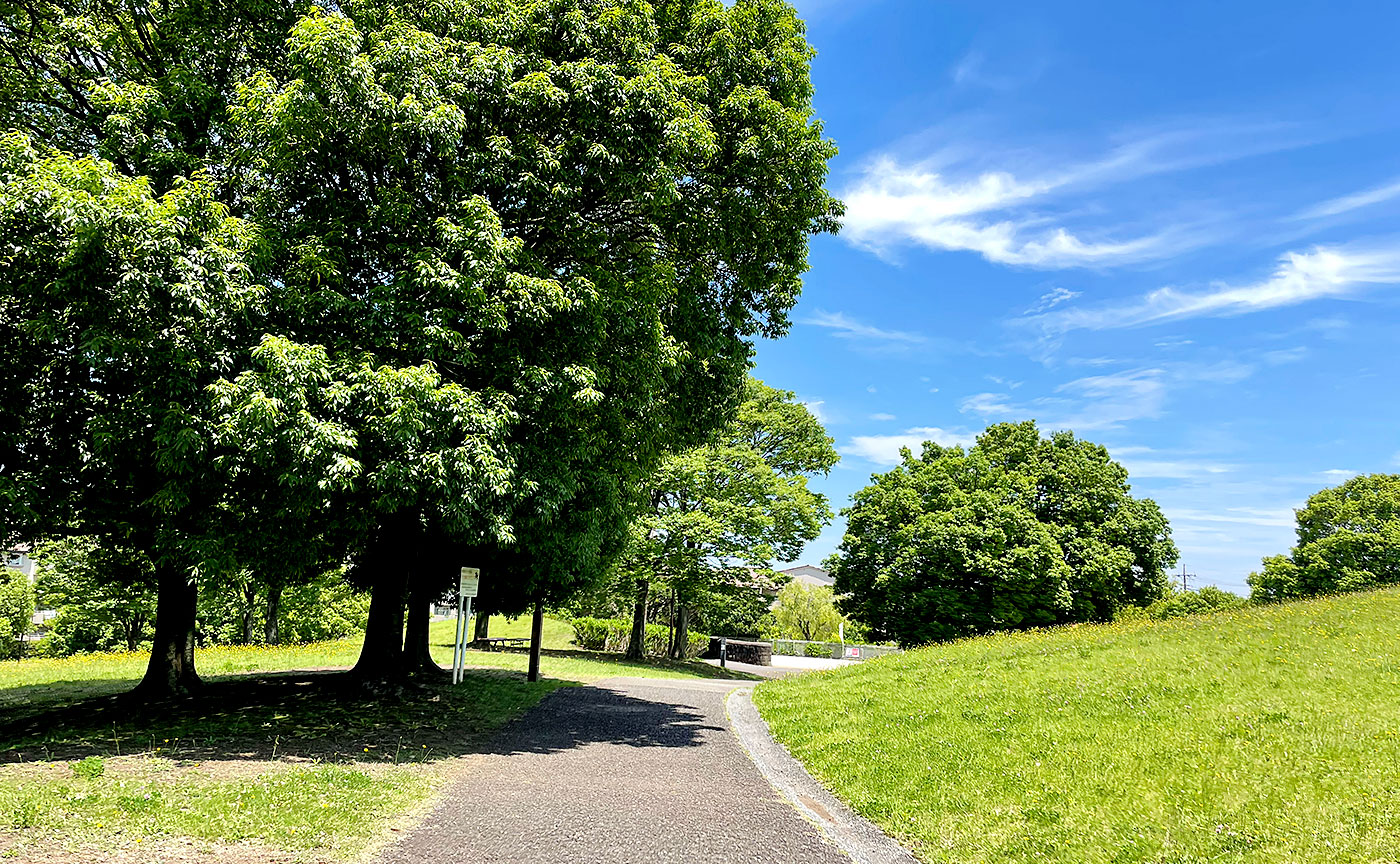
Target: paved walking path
629,770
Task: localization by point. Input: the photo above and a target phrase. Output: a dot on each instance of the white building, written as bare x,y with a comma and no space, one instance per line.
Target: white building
17,558
809,575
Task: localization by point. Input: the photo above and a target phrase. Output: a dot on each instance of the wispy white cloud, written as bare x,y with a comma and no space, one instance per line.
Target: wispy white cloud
882,418
1285,356
1054,297
896,203
1354,201
1299,278
1093,402
1025,63
1173,469
884,449
1106,401
818,409
845,327
959,187
1280,518
1339,475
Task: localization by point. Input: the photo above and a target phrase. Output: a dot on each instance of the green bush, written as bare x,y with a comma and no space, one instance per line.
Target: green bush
323,609
615,635
591,634
1178,604
90,767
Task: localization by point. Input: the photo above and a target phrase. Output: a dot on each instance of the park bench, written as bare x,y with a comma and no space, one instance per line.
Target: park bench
501,643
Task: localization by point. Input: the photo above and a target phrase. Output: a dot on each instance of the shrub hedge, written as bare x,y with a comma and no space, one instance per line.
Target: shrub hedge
615,634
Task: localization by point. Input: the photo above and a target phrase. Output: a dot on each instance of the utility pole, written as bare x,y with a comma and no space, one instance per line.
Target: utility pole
1185,576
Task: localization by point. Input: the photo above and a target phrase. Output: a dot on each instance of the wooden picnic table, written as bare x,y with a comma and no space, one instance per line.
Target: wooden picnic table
501,643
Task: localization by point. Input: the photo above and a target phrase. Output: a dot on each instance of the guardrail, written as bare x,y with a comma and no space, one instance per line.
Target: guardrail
834,650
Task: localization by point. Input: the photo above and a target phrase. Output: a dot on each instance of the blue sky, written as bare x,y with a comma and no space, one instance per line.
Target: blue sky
1171,228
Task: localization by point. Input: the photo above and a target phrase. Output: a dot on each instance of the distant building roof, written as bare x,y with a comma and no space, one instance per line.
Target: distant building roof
809,575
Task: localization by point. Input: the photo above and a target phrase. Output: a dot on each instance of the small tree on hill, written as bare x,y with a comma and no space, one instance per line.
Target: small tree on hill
1348,540
1017,531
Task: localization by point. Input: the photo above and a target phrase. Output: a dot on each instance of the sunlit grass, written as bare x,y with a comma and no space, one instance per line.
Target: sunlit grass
1269,734
48,680
334,808
217,769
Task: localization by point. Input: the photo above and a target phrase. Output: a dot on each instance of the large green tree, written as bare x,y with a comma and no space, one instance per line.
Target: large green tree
512,252
128,304
1348,540
1016,531
723,511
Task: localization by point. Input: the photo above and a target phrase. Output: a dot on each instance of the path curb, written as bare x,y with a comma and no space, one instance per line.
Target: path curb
853,834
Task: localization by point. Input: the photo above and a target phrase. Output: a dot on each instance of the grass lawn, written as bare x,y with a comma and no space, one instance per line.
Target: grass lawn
1268,734
289,760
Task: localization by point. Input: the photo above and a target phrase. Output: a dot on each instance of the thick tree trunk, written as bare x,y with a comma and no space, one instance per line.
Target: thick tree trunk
418,655
131,632
250,599
636,647
381,657
171,670
271,631
681,642
483,626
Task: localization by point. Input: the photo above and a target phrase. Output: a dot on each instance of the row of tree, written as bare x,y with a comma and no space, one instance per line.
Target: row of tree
1021,530
715,516
403,287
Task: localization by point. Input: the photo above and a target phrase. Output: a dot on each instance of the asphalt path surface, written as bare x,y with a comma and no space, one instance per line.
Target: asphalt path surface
628,770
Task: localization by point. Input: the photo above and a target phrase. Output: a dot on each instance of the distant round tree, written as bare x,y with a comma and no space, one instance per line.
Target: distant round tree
1016,531
1348,540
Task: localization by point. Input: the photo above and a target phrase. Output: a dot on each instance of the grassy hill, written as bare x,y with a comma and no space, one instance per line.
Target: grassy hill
1268,734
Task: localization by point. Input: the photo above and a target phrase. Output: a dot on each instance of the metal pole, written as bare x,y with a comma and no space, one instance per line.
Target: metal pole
457,639
462,652
536,637
723,652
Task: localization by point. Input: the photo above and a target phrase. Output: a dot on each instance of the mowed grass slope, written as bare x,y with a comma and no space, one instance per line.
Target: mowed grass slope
1268,734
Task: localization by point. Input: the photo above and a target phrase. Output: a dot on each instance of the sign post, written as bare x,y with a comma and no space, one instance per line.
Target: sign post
466,590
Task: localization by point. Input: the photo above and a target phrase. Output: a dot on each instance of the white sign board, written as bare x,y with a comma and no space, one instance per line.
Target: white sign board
471,580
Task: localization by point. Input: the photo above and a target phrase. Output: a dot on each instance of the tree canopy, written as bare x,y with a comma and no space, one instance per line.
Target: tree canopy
451,278
807,612
1348,540
723,511
1015,531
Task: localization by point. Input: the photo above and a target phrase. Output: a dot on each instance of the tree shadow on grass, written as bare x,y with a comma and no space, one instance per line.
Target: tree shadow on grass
323,716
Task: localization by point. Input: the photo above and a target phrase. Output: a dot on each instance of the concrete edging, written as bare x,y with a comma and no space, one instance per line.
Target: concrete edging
853,834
